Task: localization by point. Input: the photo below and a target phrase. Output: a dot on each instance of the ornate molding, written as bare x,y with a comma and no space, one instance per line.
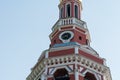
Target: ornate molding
67,60
76,59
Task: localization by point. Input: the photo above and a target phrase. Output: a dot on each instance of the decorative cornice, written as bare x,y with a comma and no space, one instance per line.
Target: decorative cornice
68,60
77,59
38,70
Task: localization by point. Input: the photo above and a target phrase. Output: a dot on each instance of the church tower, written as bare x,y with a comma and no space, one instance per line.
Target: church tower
70,56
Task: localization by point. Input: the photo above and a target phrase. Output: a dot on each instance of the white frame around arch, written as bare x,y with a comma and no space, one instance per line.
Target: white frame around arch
66,9
61,12
96,76
78,9
60,68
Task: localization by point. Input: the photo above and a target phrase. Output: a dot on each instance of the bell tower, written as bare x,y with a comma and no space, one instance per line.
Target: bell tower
70,56
70,8
70,28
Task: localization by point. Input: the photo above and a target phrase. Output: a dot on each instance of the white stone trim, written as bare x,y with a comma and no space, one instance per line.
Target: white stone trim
66,9
61,48
99,76
46,54
76,50
71,66
77,59
43,77
60,67
61,7
88,36
81,69
38,75
65,61
78,9
51,70
96,76
89,50
76,75
107,75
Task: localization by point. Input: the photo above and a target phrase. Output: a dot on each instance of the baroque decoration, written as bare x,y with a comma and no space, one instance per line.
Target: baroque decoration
70,56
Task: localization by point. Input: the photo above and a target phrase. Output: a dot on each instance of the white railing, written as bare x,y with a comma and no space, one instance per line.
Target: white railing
69,21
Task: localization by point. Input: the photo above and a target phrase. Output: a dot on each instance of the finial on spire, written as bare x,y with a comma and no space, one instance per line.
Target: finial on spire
62,0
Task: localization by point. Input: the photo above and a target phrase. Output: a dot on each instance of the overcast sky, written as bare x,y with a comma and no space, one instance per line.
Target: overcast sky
26,24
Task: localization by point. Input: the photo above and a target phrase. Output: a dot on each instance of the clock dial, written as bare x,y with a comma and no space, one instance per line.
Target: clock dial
66,36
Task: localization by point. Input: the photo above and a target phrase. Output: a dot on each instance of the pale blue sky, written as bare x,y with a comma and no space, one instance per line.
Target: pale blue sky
26,24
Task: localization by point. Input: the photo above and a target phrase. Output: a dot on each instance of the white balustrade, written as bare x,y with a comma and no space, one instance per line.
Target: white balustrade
69,21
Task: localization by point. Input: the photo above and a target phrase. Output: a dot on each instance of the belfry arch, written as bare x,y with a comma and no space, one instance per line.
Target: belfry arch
89,76
61,74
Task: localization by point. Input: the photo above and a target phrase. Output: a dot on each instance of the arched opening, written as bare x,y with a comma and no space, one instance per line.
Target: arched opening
68,11
89,76
61,74
76,11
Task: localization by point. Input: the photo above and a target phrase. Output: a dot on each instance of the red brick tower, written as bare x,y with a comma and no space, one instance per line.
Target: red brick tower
70,56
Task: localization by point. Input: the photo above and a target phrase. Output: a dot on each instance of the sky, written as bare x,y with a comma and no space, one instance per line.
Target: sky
26,24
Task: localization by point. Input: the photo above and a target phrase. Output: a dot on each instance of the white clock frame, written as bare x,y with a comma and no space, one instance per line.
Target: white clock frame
68,40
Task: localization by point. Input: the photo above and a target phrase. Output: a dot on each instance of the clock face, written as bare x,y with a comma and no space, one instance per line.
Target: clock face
66,36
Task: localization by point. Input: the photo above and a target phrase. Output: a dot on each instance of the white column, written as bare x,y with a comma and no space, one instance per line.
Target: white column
76,67
76,75
76,50
46,54
43,77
